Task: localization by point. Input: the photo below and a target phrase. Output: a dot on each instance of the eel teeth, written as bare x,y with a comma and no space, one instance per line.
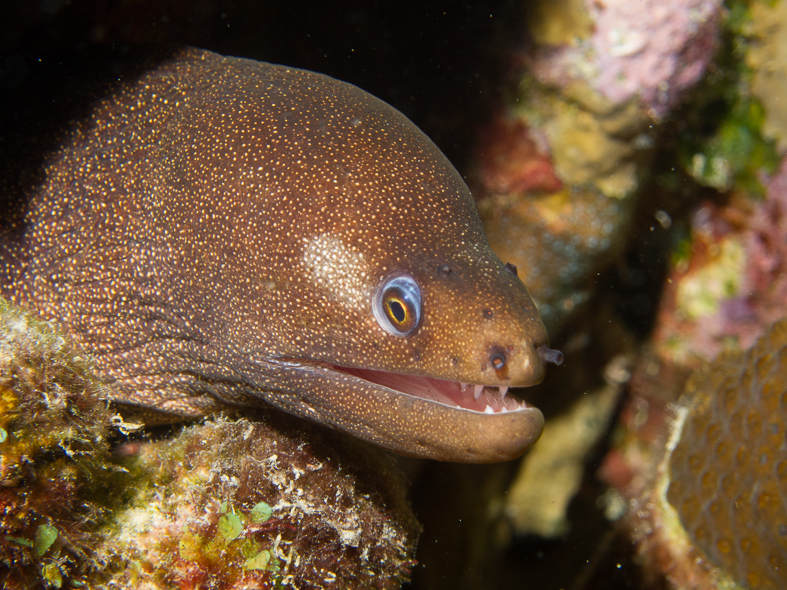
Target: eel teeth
503,391
464,386
478,390
488,410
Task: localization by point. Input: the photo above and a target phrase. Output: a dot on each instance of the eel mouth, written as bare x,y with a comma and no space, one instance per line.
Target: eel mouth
486,399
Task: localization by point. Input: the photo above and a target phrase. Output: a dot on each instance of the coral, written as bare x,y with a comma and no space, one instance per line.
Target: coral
651,50
54,453
728,470
729,279
540,208
574,137
597,142
724,442
707,504
578,135
235,504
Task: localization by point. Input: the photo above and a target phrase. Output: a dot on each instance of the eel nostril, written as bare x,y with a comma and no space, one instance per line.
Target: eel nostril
550,355
498,361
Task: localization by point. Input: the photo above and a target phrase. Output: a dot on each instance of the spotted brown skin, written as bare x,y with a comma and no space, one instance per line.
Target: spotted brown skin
216,229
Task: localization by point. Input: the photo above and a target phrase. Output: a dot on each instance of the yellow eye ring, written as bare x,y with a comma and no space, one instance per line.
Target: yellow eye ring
397,305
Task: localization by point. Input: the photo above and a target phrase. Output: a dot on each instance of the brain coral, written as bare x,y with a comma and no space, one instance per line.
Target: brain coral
729,467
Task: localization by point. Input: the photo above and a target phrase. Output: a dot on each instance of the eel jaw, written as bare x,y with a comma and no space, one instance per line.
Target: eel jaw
408,423
489,399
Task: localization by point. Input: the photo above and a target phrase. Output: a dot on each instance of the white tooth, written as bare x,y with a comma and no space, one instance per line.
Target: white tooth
464,386
504,410
478,390
503,391
488,410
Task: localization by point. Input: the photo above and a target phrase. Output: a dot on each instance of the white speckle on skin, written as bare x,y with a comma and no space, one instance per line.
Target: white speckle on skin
340,269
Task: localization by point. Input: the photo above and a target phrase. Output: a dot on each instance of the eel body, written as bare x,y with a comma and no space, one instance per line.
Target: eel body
221,232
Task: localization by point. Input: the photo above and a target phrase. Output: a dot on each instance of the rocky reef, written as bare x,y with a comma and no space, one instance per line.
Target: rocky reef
234,504
559,169
708,508
645,171
55,425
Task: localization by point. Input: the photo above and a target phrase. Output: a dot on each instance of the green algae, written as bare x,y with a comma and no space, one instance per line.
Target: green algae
737,153
723,144
259,561
45,536
260,512
230,526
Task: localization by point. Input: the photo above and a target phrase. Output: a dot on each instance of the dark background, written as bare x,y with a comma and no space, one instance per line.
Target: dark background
441,63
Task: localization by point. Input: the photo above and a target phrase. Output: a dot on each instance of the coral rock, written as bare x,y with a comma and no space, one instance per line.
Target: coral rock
706,486
54,453
274,503
729,281
728,471
653,50
227,504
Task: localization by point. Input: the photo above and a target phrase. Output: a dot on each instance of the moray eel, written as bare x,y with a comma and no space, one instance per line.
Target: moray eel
222,232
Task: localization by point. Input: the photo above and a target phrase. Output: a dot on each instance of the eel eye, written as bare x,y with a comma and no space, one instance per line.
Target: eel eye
397,305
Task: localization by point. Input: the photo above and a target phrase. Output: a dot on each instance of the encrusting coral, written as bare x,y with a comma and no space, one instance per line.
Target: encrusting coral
559,169
54,453
239,504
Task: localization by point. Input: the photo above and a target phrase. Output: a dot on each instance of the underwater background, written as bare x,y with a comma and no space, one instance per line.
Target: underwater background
629,159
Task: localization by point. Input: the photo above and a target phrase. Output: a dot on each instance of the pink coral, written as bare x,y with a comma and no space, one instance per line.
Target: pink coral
766,246
758,279
654,49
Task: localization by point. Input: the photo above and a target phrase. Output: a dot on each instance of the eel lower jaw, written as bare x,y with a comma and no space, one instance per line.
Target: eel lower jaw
409,415
486,399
